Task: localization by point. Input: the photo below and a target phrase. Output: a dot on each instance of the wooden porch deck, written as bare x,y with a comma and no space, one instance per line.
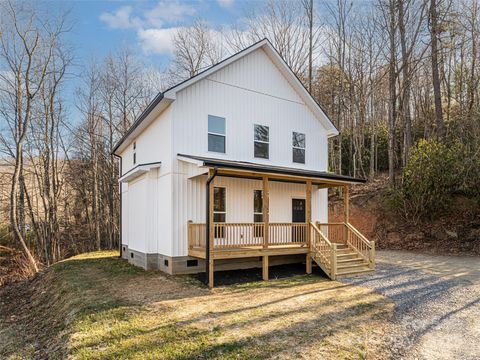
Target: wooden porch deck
338,248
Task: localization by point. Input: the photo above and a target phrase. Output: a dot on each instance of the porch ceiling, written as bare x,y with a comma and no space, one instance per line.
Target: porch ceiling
257,171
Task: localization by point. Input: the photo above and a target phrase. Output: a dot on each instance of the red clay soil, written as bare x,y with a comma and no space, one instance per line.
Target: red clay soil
13,266
455,233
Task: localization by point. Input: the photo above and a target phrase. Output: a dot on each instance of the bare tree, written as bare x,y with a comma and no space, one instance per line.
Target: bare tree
28,43
195,48
279,21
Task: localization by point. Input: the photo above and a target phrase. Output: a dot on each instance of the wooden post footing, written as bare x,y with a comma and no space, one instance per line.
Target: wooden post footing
265,268
309,264
210,274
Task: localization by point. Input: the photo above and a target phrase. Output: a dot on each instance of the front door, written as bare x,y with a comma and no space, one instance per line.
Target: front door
298,216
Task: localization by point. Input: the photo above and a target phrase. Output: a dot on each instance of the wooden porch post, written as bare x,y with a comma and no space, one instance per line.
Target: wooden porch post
308,218
212,231
346,211
266,211
346,203
266,222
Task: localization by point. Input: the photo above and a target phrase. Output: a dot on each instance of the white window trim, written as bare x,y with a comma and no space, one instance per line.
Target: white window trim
134,156
217,134
261,141
254,212
220,212
300,148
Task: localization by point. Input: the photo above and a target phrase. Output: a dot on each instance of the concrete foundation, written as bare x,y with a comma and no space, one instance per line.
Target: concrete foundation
189,265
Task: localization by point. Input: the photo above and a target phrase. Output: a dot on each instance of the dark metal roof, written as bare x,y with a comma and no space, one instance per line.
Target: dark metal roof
249,166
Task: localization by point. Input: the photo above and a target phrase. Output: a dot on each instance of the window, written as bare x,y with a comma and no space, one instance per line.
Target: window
258,211
257,206
261,141
216,134
134,152
219,210
298,143
219,204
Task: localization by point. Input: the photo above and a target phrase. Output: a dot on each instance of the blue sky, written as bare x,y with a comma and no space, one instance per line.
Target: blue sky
100,27
146,26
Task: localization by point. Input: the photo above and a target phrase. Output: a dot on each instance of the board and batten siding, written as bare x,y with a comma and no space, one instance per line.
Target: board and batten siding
157,206
190,202
249,91
154,144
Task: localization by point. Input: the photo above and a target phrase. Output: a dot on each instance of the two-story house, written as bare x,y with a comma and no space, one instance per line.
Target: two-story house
228,170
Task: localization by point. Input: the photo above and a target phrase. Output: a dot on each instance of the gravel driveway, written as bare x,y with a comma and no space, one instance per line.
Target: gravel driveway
437,301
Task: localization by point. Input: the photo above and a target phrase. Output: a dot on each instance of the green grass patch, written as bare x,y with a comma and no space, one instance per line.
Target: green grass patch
97,306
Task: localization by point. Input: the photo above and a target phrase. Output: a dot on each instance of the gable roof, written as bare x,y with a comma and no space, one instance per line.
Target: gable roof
162,100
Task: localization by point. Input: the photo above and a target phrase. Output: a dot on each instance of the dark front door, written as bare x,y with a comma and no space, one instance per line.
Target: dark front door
298,216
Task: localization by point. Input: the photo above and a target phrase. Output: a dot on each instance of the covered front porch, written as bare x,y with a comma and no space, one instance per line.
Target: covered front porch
338,248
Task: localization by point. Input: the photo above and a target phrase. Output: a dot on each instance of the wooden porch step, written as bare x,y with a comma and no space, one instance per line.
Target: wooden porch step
353,260
349,255
353,266
358,271
345,251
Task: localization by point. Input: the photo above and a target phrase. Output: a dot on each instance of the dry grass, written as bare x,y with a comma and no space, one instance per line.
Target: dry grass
111,310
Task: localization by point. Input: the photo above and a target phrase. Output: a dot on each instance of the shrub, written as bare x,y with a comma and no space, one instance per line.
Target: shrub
432,174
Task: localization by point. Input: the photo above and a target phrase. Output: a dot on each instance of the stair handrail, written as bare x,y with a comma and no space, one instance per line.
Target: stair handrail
320,233
360,235
370,245
329,265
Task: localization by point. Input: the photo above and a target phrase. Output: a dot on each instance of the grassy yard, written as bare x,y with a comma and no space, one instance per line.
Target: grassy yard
96,306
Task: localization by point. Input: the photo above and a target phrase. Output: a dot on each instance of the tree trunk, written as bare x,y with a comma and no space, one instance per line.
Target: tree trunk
434,32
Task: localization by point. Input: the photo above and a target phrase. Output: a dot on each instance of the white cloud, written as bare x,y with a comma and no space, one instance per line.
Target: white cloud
157,41
225,3
168,12
120,19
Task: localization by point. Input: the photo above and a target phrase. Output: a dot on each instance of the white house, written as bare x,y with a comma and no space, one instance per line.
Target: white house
228,169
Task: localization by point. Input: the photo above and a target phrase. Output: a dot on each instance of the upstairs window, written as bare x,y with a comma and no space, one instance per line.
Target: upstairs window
298,142
261,141
216,134
134,152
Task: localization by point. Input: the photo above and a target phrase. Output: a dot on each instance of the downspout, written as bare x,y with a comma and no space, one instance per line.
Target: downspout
207,226
120,212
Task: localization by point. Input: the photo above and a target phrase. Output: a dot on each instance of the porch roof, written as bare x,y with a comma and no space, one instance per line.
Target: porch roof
255,170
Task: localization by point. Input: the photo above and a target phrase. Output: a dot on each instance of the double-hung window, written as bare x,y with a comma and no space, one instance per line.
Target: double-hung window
219,209
258,211
134,152
261,141
216,134
298,143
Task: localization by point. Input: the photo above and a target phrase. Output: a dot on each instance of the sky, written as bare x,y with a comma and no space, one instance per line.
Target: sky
100,27
146,26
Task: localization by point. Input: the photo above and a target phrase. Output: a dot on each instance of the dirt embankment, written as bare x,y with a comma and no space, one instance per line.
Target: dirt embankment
455,233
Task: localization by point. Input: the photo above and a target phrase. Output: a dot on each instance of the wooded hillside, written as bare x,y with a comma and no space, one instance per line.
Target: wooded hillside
399,79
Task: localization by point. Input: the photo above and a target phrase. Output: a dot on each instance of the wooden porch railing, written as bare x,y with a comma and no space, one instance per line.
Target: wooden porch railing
361,244
323,251
345,233
196,235
324,239
238,235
